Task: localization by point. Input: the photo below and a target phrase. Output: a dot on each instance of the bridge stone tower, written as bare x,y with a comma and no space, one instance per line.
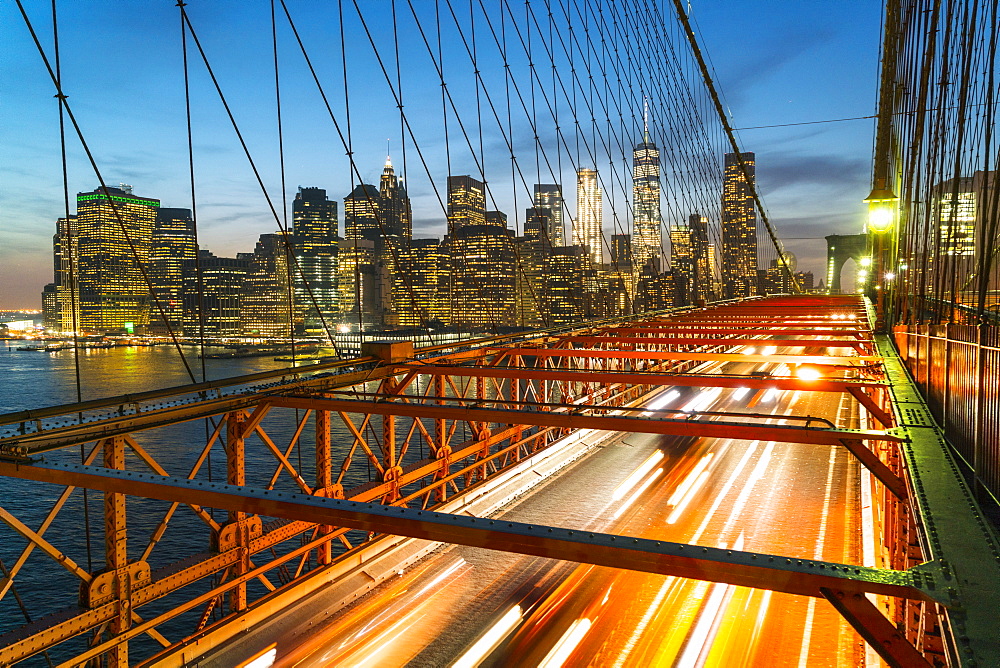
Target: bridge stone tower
840,247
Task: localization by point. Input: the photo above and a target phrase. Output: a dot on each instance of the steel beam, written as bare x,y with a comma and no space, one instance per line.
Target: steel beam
876,629
802,577
675,340
852,360
666,379
638,425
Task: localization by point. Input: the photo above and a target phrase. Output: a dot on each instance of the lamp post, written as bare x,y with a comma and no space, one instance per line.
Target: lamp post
881,221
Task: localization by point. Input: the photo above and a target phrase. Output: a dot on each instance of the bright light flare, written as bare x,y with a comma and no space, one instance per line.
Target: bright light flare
632,499
769,350
749,350
490,639
740,392
557,655
771,394
637,475
808,373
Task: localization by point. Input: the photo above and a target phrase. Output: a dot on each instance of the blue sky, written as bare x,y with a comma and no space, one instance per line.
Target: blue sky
776,62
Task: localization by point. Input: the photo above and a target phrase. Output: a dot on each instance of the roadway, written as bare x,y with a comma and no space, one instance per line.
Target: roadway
477,606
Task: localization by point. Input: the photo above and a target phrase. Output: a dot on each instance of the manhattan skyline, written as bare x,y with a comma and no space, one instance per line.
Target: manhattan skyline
143,144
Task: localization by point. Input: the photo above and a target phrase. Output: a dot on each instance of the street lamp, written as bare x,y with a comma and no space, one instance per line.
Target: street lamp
881,219
881,208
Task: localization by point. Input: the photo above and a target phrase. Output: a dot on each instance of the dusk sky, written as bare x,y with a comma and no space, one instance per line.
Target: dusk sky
776,63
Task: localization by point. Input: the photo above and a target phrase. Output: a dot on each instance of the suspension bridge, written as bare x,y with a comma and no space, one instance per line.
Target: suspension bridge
505,471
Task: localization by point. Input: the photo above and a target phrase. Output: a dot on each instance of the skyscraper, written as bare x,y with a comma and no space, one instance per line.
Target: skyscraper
646,239
739,227
395,206
173,244
621,252
701,255
66,253
549,196
589,214
466,202
362,214
314,225
682,261
114,239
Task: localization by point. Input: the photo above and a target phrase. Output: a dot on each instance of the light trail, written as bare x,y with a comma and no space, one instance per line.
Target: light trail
557,655
636,475
490,639
689,480
638,493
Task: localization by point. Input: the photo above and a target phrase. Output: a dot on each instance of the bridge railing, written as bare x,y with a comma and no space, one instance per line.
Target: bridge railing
957,368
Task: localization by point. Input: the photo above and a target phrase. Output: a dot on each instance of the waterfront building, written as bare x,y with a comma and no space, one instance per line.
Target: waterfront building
739,227
174,243
114,237
589,214
266,306
60,302
549,196
211,306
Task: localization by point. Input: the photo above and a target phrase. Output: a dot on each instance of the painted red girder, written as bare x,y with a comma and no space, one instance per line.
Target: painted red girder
860,346
852,360
642,425
645,378
755,330
794,576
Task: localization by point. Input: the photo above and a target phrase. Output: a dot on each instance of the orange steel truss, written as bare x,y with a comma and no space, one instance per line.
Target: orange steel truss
408,429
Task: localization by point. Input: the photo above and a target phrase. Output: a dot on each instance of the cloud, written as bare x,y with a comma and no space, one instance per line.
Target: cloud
785,170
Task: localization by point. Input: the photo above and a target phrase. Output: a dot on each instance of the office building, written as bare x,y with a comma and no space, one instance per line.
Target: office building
60,302
314,234
484,277
565,271
466,202
739,227
114,238
212,305
174,243
266,306
549,196
362,214
420,295
589,214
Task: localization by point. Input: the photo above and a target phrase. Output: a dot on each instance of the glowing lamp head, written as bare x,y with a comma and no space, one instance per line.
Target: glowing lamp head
881,209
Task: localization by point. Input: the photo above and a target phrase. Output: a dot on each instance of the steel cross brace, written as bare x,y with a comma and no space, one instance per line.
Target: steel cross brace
803,577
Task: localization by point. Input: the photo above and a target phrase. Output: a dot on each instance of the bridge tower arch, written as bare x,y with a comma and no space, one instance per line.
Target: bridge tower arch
839,249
